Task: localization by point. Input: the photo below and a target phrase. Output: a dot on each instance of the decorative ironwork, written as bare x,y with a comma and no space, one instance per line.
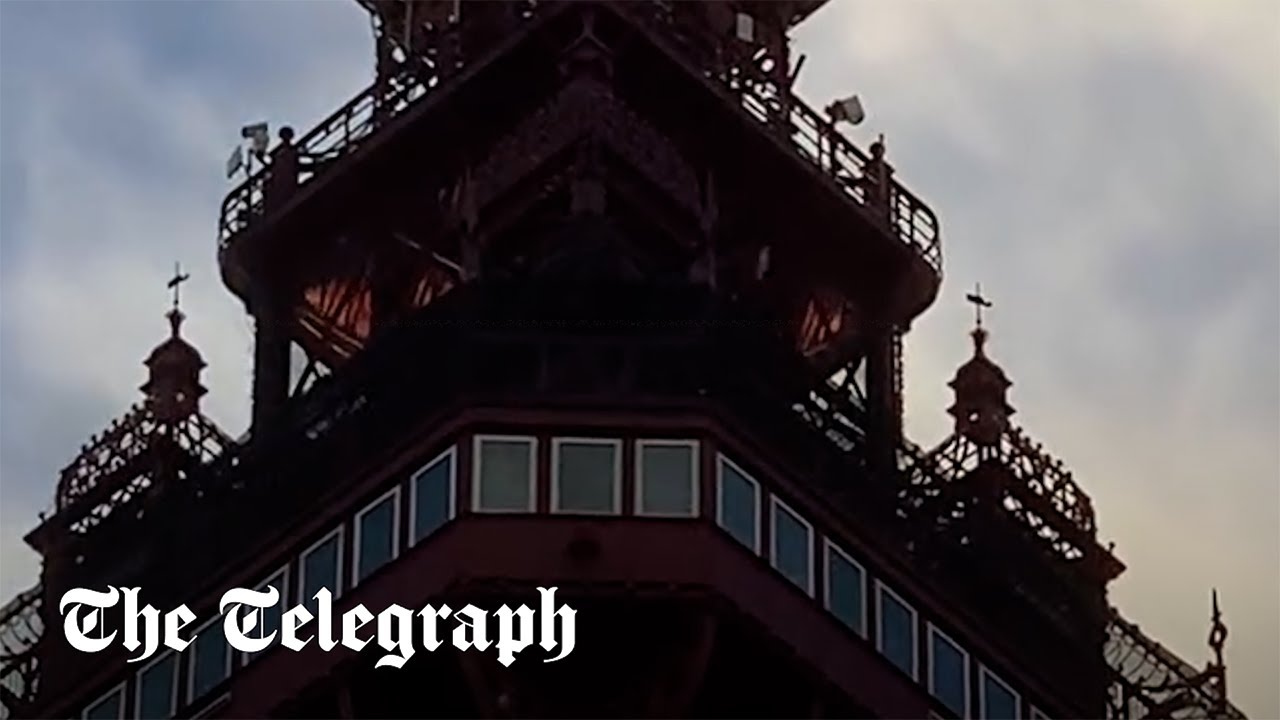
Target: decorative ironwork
766,97
119,465
585,106
21,628
1036,489
1150,681
342,133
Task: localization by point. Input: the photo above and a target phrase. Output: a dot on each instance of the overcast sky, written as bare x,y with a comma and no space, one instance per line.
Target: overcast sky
1109,171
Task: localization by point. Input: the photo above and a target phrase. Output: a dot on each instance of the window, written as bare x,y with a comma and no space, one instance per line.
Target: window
322,568
108,707
269,622
738,504
210,660
999,701
948,672
431,492
587,476
1036,714
896,636
504,480
377,535
157,690
792,551
846,590
667,477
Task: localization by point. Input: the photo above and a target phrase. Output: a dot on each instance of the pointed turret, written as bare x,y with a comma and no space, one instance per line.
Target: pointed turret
173,386
981,409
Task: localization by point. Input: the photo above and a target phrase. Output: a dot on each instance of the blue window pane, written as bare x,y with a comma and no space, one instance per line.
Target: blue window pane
897,633
377,538
947,674
432,498
156,686
108,708
844,591
585,475
210,655
270,619
738,505
505,467
320,570
998,701
666,480
792,545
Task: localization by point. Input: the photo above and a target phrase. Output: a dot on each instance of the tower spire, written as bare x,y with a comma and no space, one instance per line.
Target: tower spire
979,302
981,410
173,386
175,284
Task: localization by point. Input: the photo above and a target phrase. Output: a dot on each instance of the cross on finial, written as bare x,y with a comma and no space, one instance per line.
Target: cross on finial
979,302
176,281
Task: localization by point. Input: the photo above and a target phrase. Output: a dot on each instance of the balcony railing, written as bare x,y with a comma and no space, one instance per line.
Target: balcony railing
339,135
815,138
812,136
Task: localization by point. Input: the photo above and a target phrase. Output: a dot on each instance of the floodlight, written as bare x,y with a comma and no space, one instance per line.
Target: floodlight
258,135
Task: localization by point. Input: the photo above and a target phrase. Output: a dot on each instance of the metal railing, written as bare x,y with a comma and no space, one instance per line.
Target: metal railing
813,137
340,134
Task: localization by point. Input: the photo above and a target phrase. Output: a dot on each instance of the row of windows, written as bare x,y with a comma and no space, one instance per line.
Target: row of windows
586,476
159,690
586,479
739,505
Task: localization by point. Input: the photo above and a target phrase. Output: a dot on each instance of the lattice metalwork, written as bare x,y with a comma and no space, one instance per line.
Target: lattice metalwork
1034,488
1150,681
837,409
117,466
20,632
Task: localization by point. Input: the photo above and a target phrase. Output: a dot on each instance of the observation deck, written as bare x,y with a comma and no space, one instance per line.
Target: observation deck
429,59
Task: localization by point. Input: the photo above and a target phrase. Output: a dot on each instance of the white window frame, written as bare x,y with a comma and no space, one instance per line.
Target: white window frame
986,672
721,461
338,532
189,686
775,505
394,495
830,546
1037,714
283,603
450,456
694,476
557,443
117,690
477,460
881,589
934,630
173,689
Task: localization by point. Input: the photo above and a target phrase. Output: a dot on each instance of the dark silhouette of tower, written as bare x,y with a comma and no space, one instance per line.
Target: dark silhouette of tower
586,297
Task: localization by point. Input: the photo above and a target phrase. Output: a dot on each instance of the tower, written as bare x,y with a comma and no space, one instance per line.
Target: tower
588,298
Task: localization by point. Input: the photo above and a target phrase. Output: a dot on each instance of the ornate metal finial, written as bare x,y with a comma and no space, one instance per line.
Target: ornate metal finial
1217,631
1217,670
175,284
979,302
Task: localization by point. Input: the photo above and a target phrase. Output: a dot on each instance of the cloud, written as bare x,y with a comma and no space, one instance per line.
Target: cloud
111,170
1112,180
1109,174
